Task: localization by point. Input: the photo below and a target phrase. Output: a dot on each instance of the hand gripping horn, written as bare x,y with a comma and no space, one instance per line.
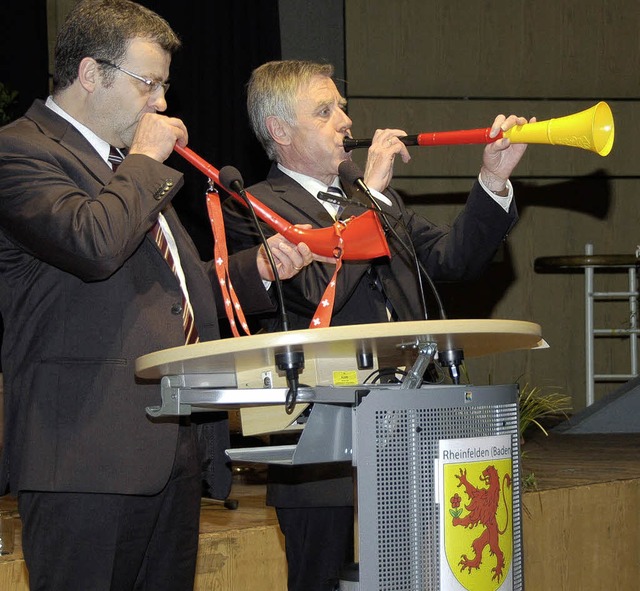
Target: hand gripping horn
363,237
591,129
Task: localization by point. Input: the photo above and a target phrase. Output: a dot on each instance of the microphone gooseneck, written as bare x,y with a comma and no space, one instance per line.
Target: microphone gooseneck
288,361
350,174
231,178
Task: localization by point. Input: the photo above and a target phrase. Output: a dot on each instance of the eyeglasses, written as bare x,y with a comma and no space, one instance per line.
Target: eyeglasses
152,85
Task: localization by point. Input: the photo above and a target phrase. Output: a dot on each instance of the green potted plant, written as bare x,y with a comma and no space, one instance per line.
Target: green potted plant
538,408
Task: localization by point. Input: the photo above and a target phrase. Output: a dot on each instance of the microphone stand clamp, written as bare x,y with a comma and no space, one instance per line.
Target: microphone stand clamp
291,363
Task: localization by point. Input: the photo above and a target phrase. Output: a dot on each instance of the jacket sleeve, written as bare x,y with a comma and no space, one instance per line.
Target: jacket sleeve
463,250
74,221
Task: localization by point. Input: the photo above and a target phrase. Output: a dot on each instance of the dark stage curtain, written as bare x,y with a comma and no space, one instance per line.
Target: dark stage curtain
23,51
23,56
223,41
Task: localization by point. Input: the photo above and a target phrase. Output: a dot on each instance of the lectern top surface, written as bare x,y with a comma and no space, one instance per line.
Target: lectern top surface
474,337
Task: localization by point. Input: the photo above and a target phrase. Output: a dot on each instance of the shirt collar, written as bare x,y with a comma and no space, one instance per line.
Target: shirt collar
314,186
99,144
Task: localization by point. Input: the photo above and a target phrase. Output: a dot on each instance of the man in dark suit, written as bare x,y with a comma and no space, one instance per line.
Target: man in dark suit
298,115
109,499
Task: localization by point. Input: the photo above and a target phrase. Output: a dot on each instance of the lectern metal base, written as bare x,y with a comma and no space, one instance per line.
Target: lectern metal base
401,442
405,441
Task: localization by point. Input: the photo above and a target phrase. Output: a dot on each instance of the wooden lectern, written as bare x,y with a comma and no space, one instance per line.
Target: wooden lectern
399,437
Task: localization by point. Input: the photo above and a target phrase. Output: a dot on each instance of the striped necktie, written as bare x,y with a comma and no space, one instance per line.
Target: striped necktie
115,157
190,331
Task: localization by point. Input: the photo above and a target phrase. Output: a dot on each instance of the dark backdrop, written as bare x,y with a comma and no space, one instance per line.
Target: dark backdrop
23,51
23,56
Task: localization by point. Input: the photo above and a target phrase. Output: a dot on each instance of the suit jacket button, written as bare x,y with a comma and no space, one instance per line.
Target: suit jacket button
176,308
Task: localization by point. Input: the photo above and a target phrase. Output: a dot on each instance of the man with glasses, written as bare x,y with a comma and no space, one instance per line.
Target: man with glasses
109,499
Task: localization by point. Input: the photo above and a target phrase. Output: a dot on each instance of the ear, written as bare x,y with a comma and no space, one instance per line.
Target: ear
278,130
88,74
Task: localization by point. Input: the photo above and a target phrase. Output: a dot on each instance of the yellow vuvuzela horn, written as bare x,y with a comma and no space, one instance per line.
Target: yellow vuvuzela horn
591,129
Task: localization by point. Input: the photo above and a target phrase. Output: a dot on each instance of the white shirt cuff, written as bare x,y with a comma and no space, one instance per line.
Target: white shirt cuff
502,201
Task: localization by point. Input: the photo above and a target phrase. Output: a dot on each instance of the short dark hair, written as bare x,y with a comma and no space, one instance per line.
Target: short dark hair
102,29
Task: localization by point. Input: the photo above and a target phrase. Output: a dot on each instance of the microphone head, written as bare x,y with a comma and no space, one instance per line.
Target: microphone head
231,178
349,172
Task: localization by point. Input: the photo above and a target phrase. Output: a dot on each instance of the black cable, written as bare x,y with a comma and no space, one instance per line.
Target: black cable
291,362
351,174
231,179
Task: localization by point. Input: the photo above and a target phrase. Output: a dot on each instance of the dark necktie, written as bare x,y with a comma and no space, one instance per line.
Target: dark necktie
115,157
375,279
190,331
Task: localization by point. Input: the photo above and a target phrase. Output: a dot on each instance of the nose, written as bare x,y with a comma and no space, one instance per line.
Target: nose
158,101
347,123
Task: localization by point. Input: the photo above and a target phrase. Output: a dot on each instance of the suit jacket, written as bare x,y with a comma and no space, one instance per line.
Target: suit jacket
462,251
84,291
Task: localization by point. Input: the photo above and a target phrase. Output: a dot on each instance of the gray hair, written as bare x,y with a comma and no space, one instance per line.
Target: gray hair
272,91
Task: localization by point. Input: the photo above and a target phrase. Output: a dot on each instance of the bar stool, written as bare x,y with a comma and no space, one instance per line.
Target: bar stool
590,263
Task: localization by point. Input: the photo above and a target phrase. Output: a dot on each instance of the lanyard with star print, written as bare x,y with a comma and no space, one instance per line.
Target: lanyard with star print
324,311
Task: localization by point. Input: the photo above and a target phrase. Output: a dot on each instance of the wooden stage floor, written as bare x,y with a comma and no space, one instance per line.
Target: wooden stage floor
581,523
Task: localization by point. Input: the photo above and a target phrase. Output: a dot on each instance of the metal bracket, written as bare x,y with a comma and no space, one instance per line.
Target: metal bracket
426,352
183,394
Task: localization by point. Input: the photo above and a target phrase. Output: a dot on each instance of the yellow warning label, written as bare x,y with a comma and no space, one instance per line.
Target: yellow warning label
345,378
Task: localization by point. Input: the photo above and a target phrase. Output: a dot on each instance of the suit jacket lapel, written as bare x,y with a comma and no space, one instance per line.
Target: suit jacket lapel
61,131
299,198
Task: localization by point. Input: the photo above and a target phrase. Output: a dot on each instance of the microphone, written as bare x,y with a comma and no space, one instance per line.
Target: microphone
350,174
289,361
230,178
